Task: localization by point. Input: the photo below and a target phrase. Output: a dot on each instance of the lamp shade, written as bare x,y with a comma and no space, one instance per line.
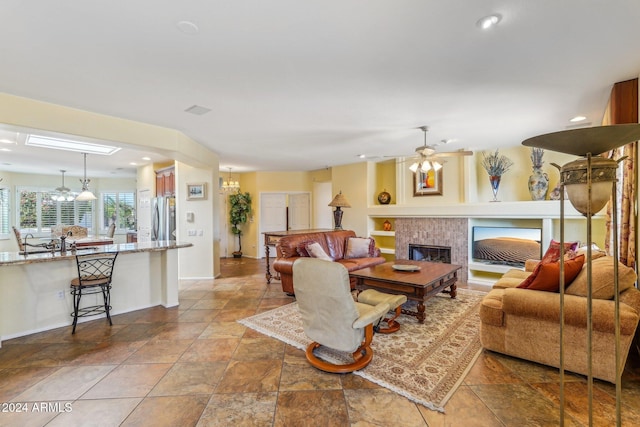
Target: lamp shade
85,196
340,201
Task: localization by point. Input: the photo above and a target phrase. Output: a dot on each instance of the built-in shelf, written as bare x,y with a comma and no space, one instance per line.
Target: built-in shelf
491,268
383,233
390,251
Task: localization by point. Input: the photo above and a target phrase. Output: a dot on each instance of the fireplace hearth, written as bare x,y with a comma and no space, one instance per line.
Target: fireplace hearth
430,253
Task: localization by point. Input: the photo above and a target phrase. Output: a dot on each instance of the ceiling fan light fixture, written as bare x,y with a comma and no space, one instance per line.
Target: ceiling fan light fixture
436,166
426,166
414,167
63,193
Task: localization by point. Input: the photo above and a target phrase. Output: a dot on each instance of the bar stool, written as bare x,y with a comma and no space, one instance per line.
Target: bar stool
94,276
373,297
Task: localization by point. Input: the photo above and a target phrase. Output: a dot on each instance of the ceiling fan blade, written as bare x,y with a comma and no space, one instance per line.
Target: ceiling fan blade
453,153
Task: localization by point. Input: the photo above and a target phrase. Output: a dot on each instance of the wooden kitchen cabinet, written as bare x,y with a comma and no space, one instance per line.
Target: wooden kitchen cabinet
165,182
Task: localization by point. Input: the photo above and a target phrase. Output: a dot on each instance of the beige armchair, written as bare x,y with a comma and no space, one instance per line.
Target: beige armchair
330,315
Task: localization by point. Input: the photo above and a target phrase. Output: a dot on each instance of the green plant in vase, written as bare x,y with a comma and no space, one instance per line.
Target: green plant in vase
496,165
239,211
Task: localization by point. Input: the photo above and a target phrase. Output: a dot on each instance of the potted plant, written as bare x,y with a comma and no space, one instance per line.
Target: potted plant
239,214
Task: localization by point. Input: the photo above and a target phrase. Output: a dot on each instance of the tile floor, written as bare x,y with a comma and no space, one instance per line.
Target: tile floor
194,365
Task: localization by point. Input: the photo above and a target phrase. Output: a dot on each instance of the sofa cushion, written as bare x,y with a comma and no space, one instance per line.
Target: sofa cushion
553,252
602,279
335,242
301,248
359,247
546,277
287,246
315,251
545,307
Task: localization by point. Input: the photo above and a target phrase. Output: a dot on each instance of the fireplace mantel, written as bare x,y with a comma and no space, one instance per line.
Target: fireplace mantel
549,209
451,225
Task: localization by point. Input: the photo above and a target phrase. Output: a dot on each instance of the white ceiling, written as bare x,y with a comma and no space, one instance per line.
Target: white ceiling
301,85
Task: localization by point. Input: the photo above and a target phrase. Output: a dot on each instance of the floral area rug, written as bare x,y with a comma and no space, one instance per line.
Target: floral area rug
423,362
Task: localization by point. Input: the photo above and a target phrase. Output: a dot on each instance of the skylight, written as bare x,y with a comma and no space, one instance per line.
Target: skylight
69,145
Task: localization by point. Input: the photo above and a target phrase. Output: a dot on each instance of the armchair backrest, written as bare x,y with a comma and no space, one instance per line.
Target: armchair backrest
16,232
326,306
112,230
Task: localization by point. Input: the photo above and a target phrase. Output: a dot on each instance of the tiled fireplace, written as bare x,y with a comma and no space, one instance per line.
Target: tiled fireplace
448,232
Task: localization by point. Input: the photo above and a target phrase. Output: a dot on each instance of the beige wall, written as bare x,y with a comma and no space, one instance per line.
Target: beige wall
514,183
199,261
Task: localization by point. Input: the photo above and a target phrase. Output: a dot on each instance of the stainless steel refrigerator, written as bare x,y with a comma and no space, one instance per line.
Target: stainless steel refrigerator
163,218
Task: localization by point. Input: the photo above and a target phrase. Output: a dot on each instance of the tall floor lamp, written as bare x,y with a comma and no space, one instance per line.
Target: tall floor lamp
339,202
590,182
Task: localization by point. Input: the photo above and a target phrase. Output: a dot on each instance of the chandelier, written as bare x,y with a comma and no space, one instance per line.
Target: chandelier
229,185
64,194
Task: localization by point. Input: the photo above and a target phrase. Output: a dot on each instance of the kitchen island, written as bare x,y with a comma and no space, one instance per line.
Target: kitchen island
34,288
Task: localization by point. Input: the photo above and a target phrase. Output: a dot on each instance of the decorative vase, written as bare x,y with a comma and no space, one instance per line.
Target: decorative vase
386,226
538,184
384,198
495,183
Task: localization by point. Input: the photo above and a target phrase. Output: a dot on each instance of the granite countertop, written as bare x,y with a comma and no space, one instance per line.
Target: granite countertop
16,258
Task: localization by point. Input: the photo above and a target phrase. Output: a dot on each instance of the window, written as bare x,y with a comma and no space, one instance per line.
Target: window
39,213
4,212
118,208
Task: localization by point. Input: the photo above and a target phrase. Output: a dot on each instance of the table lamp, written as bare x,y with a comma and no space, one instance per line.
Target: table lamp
339,202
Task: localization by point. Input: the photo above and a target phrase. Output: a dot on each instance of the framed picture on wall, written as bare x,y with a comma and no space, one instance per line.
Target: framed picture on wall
427,183
197,191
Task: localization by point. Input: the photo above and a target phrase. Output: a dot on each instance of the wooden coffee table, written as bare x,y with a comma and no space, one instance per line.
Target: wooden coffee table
420,285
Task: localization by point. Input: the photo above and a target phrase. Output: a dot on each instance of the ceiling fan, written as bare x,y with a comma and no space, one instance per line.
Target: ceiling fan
426,156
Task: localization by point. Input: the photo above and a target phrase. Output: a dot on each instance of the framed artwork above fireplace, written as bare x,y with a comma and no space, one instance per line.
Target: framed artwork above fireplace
427,183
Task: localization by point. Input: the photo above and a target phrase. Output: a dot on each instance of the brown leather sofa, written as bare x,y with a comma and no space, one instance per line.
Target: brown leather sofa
334,244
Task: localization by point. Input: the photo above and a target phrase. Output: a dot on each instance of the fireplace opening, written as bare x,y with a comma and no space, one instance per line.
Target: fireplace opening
430,253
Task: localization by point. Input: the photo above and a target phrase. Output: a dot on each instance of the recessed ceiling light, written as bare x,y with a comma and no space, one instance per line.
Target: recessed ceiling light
133,164
69,145
489,21
362,156
578,119
188,27
4,149
146,158
7,141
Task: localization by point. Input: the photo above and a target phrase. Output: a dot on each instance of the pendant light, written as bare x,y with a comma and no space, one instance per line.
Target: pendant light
64,193
86,194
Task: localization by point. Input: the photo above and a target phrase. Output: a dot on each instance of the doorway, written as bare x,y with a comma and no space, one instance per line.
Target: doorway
283,211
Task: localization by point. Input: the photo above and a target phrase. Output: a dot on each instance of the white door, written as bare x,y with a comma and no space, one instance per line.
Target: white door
299,211
273,216
322,212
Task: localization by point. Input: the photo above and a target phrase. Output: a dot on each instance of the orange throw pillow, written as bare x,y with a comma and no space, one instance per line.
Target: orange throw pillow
546,277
